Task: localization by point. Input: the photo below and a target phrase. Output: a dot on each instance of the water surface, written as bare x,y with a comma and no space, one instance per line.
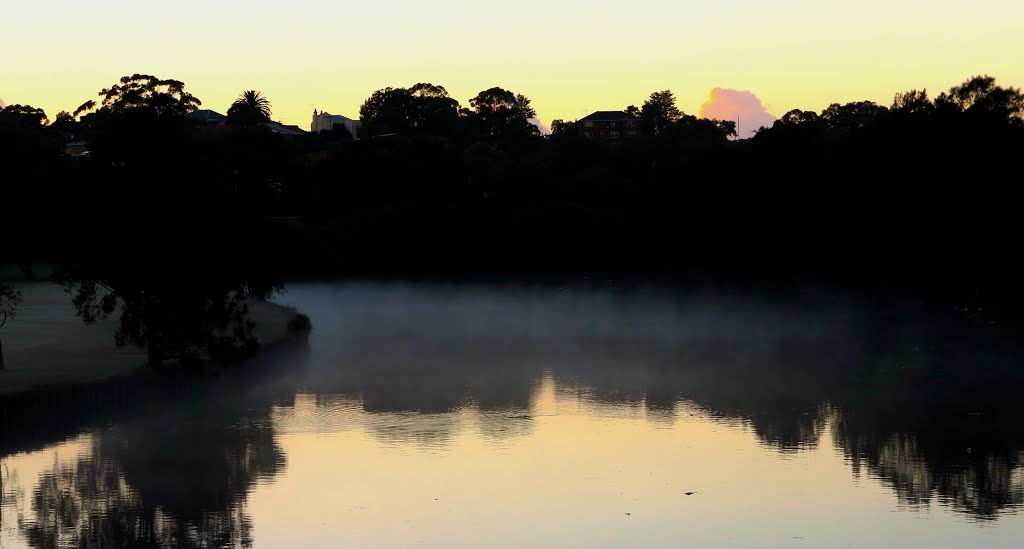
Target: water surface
510,416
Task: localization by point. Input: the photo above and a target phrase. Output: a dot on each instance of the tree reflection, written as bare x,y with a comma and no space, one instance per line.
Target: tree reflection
963,468
179,479
919,397
157,484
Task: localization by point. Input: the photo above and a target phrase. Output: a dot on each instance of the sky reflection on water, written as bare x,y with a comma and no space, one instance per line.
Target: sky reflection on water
446,416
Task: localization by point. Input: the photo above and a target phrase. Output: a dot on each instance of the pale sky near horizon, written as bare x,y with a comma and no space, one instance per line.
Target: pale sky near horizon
569,56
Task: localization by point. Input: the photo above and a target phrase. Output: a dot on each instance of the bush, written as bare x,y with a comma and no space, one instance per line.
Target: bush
300,324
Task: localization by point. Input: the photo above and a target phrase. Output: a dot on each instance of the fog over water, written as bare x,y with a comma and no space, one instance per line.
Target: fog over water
511,415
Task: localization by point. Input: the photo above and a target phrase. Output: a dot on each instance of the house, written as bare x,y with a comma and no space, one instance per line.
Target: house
325,122
609,125
206,117
281,129
77,149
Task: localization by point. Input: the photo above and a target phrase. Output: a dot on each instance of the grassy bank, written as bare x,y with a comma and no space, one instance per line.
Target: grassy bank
46,344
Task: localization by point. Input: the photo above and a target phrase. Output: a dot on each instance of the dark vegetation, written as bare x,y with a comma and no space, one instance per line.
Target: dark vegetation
300,324
109,496
10,298
172,224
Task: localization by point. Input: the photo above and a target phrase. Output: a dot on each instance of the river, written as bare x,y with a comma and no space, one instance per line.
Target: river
546,415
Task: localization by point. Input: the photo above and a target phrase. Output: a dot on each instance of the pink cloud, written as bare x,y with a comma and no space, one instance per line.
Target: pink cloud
726,104
544,129
2,104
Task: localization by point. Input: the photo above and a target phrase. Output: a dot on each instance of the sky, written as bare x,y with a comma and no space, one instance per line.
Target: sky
570,57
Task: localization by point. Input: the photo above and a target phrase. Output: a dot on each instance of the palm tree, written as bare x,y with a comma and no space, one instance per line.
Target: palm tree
249,109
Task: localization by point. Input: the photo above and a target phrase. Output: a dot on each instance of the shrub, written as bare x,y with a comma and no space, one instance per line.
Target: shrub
300,324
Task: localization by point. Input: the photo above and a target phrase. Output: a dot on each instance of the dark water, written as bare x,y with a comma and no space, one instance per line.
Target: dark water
511,416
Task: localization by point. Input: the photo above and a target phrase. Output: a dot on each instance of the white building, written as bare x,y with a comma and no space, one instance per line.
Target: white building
325,122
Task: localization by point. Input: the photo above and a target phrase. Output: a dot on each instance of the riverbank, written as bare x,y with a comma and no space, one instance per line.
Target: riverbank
47,345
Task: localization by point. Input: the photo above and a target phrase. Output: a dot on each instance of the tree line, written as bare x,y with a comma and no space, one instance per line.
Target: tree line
171,224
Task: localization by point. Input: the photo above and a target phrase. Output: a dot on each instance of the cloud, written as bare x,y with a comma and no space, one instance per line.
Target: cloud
544,130
726,104
2,104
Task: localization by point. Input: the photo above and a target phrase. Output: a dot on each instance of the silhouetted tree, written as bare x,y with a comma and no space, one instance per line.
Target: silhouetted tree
502,114
64,122
659,111
423,108
386,111
30,163
981,95
912,101
562,127
162,259
251,108
10,298
147,93
84,108
161,200
433,111
728,127
25,115
852,115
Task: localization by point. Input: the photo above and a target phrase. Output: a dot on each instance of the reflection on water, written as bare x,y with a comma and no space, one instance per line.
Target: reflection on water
505,416
175,480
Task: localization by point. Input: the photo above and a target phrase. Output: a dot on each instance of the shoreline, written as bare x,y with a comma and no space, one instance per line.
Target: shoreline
47,348
36,418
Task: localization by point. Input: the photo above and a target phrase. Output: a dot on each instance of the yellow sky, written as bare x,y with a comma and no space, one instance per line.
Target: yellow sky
569,56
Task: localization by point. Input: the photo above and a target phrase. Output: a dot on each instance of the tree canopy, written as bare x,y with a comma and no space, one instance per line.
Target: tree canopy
171,226
497,112
251,108
25,116
421,109
163,236
659,111
563,127
981,95
145,93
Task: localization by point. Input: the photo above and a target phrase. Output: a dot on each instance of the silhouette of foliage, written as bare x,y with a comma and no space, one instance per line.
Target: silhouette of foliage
147,93
423,108
562,127
851,115
912,101
30,171
659,111
981,95
910,195
24,115
251,108
10,299
64,122
159,255
499,113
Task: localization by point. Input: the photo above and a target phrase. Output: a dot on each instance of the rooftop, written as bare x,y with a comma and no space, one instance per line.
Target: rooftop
607,116
329,115
206,115
282,129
